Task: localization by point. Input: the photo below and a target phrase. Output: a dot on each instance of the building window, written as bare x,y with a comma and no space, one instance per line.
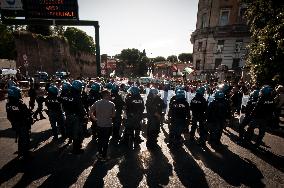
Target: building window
220,46
238,47
197,66
199,48
204,20
218,62
236,63
224,17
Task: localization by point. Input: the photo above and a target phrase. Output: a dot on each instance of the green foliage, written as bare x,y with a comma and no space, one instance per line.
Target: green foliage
172,58
135,59
79,40
266,50
185,57
159,59
7,43
58,30
44,30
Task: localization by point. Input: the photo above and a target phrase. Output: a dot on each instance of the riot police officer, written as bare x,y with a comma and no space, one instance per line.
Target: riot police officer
75,116
248,110
198,106
179,116
217,114
154,107
55,112
116,98
21,120
262,114
134,112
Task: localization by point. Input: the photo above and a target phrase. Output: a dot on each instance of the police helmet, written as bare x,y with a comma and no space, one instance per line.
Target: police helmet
66,86
115,88
180,94
200,90
178,87
224,88
52,90
108,86
266,90
14,92
219,94
77,85
95,87
254,94
153,91
134,90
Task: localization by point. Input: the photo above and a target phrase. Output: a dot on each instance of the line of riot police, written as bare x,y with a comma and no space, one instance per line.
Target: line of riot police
68,107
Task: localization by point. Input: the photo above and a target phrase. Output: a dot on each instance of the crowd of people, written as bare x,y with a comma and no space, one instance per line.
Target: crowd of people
118,110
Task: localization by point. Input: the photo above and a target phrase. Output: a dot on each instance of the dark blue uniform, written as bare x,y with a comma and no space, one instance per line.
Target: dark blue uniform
134,113
119,105
56,115
154,107
179,116
217,113
21,120
198,106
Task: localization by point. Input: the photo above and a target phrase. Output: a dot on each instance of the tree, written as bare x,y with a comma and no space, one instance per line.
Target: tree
79,40
185,57
135,59
172,58
58,30
7,43
266,49
159,59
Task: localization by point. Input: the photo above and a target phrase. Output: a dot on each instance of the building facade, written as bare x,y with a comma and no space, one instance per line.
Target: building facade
221,36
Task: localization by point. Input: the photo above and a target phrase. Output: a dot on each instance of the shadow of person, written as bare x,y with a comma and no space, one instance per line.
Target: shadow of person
131,169
229,166
186,168
277,161
57,165
100,169
159,169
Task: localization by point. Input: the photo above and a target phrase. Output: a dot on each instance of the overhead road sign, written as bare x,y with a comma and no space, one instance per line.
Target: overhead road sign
51,9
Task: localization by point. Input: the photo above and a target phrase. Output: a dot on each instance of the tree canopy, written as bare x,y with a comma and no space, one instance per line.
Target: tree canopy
7,43
172,58
79,40
135,59
266,50
159,59
185,57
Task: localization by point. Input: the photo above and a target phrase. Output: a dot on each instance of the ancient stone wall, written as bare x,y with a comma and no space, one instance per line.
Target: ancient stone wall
51,54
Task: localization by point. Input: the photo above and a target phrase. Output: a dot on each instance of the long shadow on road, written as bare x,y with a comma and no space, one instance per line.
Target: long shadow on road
188,171
277,161
229,166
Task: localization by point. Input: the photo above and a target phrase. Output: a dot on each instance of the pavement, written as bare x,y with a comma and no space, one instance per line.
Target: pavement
53,164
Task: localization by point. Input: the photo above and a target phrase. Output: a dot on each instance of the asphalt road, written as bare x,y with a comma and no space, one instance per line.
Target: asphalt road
53,165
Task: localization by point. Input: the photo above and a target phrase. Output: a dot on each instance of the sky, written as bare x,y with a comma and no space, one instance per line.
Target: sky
161,27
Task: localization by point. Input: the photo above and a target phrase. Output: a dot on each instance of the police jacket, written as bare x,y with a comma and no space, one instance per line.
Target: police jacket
179,108
93,97
53,104
154,105
18,114
218,110
73,104
134,104
198,106
264,108
118,102
250,105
